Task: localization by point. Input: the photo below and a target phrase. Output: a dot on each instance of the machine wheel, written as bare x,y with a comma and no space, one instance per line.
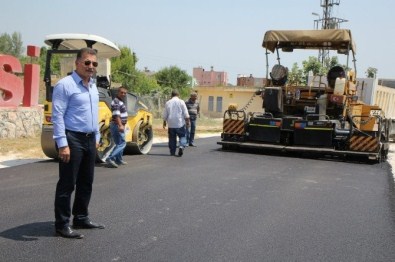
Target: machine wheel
385,133
142,139
48,144
106,144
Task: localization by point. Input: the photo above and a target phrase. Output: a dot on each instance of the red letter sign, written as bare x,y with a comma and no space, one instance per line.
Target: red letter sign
11,86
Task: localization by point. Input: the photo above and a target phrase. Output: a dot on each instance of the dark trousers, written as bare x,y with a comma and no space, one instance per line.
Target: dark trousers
191,132
77,174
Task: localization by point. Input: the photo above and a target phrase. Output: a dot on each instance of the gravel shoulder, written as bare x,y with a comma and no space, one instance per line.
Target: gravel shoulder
16,158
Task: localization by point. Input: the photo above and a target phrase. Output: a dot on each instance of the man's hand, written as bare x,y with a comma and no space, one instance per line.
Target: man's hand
64,154
121,128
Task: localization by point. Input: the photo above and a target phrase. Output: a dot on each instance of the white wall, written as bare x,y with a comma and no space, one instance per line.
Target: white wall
365,87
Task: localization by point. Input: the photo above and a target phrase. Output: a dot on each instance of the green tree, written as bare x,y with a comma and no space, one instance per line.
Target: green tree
371,72
123,68
145,84
5,44
172,77
317,68
329,63
313,65
124,71
296,76
11,44
55,61
42,58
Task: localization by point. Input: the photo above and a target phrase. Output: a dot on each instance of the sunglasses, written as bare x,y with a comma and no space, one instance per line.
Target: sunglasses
88,62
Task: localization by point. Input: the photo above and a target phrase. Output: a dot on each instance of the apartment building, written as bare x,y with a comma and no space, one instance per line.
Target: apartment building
250,81
210,78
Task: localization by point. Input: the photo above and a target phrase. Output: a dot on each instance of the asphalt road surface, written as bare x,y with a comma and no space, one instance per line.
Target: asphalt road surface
209,205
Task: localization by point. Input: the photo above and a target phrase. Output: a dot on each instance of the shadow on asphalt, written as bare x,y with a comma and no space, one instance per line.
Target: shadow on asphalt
151,154
160,145
30,232
304,155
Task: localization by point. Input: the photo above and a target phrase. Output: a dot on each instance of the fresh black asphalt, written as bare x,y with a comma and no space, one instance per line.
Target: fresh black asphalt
208,205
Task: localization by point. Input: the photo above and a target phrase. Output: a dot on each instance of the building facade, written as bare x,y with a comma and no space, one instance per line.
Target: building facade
210,78
250,81
214,101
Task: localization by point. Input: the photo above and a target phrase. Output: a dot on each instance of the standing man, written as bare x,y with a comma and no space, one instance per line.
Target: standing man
117,127
76,133
193,111
177,117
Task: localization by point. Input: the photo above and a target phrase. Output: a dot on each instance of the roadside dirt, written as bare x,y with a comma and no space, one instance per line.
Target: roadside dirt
21,148
29,149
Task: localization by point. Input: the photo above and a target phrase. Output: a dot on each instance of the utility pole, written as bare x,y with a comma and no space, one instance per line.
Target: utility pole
330,22
327,21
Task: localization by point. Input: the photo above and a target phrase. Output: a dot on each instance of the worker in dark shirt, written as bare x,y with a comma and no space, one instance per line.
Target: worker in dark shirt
117,127
194,111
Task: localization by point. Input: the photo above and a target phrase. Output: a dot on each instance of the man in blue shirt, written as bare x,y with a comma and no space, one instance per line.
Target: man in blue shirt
117,127
75,120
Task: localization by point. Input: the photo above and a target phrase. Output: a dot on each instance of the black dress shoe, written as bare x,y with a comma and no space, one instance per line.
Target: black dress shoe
180,152
67,232
192,145
87,225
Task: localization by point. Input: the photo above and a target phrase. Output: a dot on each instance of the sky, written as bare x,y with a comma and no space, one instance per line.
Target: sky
224,34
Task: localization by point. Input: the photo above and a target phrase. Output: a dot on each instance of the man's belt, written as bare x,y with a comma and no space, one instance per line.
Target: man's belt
81,133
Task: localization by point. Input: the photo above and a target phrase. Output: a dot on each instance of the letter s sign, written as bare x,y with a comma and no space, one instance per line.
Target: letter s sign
10,85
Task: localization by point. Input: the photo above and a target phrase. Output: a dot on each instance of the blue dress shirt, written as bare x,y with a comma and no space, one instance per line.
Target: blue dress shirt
74,107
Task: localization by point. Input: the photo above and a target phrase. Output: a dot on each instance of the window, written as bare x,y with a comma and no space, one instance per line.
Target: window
211,103
219,104
131,104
